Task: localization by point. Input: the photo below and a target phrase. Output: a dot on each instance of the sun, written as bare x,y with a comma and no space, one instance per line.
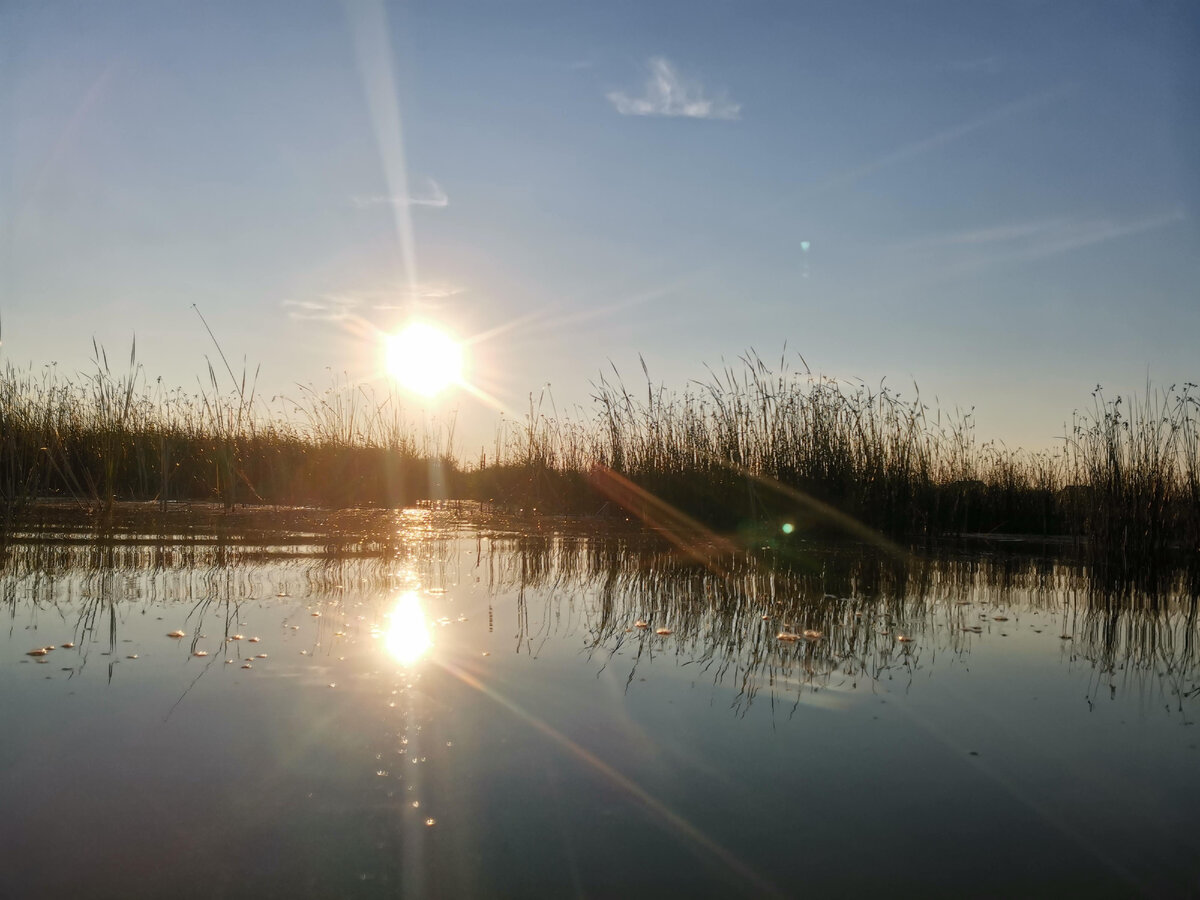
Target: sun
424,359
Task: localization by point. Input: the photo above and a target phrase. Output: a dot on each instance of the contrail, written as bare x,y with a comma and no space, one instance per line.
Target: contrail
946,136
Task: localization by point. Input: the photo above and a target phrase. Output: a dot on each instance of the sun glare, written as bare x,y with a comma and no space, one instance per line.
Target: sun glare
424,359
408,634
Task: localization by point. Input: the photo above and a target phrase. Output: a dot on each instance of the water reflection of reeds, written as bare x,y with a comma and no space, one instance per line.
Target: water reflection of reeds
724,618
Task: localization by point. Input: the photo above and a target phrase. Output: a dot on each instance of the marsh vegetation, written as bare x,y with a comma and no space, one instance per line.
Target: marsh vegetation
752,450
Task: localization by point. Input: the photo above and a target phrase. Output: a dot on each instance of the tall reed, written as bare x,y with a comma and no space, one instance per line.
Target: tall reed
1134,469
116,436
751,449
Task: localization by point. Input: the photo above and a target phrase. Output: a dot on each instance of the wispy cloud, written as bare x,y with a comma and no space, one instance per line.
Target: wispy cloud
941,138
423,294
330,308
667,93
1075,235
434,197
1041,238
1009,233
341,307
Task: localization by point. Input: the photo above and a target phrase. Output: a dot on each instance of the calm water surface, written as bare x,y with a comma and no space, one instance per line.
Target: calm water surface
457,709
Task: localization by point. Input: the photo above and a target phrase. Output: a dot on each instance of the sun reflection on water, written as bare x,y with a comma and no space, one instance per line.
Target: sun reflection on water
408,637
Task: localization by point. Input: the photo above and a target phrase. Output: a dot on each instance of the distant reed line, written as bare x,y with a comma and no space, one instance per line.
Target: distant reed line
753,449
739,451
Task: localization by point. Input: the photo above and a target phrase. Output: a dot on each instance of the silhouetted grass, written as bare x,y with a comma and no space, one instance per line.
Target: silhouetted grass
755,447
751,450
113,437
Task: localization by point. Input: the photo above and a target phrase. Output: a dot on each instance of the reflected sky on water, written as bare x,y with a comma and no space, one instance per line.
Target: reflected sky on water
449,709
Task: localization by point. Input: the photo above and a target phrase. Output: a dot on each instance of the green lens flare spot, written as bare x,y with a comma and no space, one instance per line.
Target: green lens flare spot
788,527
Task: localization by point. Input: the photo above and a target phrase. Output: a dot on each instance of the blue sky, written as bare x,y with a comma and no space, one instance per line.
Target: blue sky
1000,200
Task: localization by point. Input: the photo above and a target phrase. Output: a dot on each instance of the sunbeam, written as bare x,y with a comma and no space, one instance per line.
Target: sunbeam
370,31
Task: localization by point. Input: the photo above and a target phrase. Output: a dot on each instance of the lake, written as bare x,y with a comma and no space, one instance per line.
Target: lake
448,704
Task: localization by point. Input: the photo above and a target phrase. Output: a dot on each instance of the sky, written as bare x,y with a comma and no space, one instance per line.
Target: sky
997,202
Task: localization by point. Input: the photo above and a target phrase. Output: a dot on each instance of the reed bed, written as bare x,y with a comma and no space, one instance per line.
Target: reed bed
117,436
756,448
751,450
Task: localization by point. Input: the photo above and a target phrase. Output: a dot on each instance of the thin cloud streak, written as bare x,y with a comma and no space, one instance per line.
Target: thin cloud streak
994,234
327,309
1084,234
66,138
941,138
436,198
901,154
413,297
549,318
668,94
339,307
947,258
610,309
1043,238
